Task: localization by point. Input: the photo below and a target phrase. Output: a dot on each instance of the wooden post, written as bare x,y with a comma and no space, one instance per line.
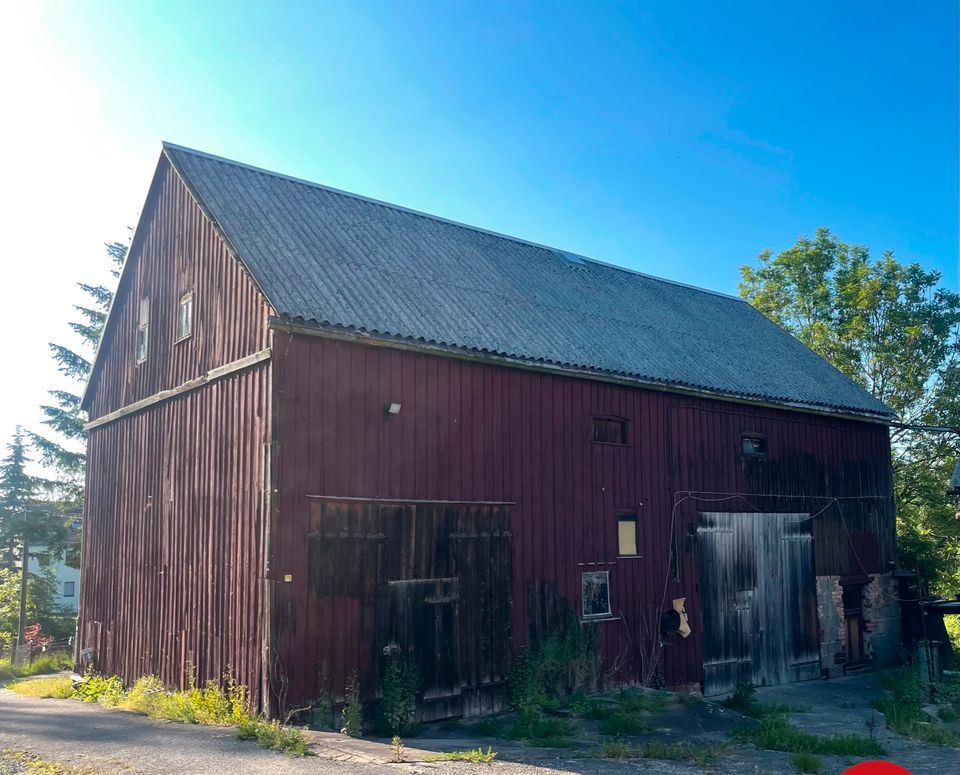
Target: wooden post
22,618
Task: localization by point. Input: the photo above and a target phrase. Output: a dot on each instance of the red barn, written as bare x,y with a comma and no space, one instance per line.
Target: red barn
324,428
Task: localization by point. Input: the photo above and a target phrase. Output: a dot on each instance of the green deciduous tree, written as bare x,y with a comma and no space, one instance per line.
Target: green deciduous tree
890,327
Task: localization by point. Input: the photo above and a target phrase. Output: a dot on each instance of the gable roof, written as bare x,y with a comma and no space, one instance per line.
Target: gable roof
344,261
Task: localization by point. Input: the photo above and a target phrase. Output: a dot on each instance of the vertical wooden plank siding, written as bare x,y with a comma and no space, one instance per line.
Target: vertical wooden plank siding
172,542
174,519
469,431
177,250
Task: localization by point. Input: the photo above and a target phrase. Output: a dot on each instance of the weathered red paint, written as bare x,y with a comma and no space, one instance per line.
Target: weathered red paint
198,515
479,432
175,501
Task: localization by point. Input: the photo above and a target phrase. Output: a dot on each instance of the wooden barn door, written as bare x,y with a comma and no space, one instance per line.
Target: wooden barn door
428,583
758,600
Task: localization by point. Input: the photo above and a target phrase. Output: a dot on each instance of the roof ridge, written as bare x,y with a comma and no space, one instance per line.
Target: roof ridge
401,208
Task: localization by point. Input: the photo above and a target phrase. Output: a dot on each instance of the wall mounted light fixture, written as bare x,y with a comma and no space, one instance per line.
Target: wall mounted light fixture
393,409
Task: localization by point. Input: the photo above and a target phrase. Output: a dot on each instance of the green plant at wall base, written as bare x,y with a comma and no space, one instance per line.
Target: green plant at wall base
903,706
399,702
271,734
97,688
563,663
397,745
353,711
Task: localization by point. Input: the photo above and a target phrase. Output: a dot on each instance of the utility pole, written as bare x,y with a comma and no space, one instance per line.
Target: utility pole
22,618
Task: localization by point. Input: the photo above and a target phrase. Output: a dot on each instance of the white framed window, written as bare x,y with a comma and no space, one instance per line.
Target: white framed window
185,317
143,330
595,593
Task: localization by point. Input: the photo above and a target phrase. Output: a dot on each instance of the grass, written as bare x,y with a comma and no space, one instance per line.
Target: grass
212,705
637,701
474,756
806,762
613,749
33,765
774,733
625,723
43,688
542,731
270,734
677,752
52,662
744,702
488,727
902,707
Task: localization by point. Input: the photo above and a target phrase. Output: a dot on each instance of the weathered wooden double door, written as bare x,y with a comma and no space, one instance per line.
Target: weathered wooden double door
758,600
429,583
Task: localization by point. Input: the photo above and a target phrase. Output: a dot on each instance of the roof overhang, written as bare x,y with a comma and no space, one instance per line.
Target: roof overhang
312,328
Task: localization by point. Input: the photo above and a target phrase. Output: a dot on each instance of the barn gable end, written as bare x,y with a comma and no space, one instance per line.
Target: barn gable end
177,458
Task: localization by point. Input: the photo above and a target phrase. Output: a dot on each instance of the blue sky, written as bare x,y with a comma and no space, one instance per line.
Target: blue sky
676,138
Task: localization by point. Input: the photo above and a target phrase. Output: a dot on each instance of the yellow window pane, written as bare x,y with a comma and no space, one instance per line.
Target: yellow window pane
627,536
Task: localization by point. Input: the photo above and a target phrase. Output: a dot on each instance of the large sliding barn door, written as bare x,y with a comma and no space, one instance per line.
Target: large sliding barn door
758,600
429,582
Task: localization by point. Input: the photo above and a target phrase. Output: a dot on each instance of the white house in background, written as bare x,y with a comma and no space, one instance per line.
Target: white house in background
68,579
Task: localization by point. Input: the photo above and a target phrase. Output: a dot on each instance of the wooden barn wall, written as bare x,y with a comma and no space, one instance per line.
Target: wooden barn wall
173,555
173,536
177,250
469,431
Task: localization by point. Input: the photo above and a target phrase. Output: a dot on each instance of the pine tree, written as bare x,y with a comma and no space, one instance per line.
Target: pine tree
25,520
63,452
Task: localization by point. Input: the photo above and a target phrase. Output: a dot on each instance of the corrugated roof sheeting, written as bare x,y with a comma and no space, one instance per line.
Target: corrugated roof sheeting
341,260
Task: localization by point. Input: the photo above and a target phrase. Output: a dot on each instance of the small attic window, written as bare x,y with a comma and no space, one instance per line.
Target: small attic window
754,445
143,330
185,317
609,430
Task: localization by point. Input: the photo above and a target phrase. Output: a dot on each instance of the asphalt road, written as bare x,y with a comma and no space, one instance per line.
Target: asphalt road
115,741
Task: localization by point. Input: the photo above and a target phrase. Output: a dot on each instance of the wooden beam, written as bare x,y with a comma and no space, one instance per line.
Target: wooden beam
405,501
179,390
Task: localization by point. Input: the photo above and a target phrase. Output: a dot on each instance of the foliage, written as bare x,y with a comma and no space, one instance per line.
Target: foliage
891,328
488,727
63,451
476,756
806,762
677,752
564,662
42,605
27,763
743,701
271,734
625,723
97,688
613,749
774,733
902,707
59,688
397,745
50,662
399,694
353,710
540,730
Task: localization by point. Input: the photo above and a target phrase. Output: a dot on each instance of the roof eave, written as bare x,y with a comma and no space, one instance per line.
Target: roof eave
313,328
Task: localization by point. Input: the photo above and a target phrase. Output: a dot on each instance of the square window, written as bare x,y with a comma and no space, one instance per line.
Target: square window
627,534
754,445
595,589
69,588
609,430
185,317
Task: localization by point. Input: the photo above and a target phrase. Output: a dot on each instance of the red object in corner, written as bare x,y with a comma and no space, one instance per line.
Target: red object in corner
876,768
